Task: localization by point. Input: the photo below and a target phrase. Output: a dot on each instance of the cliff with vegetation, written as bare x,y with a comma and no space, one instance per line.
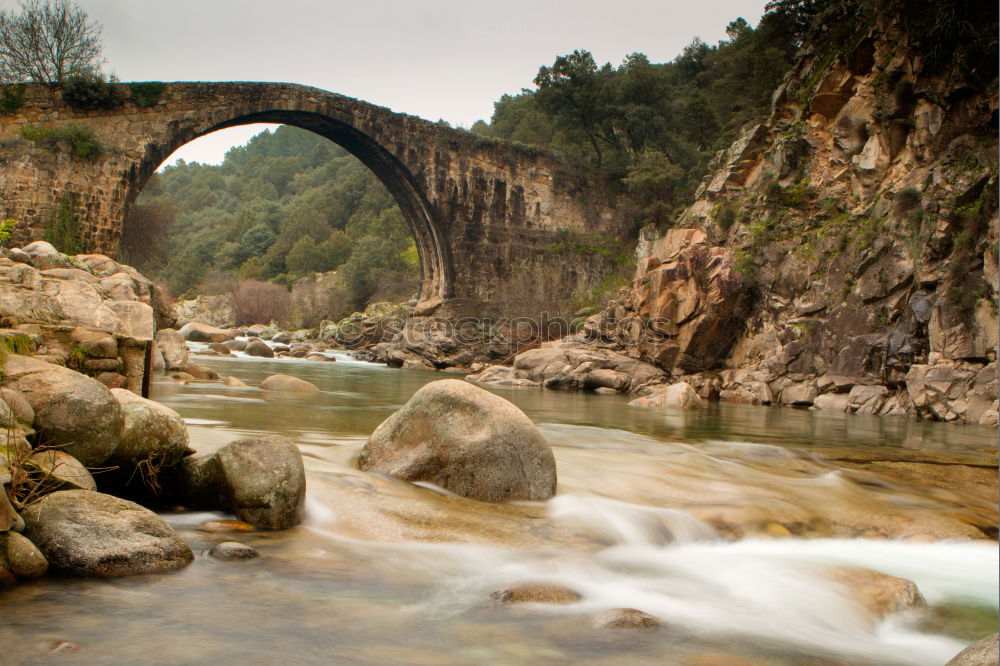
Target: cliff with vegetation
842,254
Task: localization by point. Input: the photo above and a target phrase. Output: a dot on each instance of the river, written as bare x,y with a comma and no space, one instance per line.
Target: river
727,524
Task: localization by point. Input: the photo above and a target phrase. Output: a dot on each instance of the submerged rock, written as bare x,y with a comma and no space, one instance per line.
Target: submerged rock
880,593
199,371
625,618
539,593
466,440
261,481
87,533
289,384
233,550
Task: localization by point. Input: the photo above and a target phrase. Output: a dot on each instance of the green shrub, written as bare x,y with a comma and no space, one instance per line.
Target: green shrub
89,92
147,93
11,97
63,230
80,139
744,263
6,227
724,215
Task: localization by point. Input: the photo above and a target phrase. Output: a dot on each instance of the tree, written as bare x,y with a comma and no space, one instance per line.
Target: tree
47,42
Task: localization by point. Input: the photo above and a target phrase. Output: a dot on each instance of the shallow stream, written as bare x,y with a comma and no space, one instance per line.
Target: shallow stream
727,524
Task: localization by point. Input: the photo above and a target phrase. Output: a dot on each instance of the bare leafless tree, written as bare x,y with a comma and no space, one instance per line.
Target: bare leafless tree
47,42
256,302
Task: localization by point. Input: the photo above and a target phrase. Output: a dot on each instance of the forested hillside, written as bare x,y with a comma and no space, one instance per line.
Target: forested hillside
649,129
285,205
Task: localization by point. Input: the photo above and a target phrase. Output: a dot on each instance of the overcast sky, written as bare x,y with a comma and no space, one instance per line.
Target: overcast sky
447,59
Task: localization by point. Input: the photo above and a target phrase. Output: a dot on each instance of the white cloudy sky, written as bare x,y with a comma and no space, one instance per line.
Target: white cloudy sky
447,59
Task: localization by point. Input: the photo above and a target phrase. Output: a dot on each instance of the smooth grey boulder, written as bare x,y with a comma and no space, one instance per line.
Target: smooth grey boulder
466,440
261,481
87,533
150,431
172,347
74,412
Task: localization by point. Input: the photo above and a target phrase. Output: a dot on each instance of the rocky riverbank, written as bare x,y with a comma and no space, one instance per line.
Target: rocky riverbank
79,442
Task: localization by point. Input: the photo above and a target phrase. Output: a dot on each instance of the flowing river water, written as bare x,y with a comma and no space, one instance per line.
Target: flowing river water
728,524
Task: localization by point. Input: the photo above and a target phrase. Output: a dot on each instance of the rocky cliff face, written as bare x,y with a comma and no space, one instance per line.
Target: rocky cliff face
844,253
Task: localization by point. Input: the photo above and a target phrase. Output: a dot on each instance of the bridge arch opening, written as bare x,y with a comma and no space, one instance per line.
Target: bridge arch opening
433,255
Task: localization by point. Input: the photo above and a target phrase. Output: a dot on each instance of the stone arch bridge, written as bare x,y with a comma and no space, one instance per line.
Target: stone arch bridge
478,211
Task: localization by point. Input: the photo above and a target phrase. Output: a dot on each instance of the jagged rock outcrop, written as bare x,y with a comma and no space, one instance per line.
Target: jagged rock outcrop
87,311
380,322
568,364
684,308
213,310
847,247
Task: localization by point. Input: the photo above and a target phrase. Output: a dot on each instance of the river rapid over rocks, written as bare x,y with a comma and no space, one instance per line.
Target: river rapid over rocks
744,536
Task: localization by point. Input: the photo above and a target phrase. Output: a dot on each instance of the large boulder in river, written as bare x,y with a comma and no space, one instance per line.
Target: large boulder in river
72,411
151,432
259,348
289,384
260,480
198,332
87,533
171,345
466,440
